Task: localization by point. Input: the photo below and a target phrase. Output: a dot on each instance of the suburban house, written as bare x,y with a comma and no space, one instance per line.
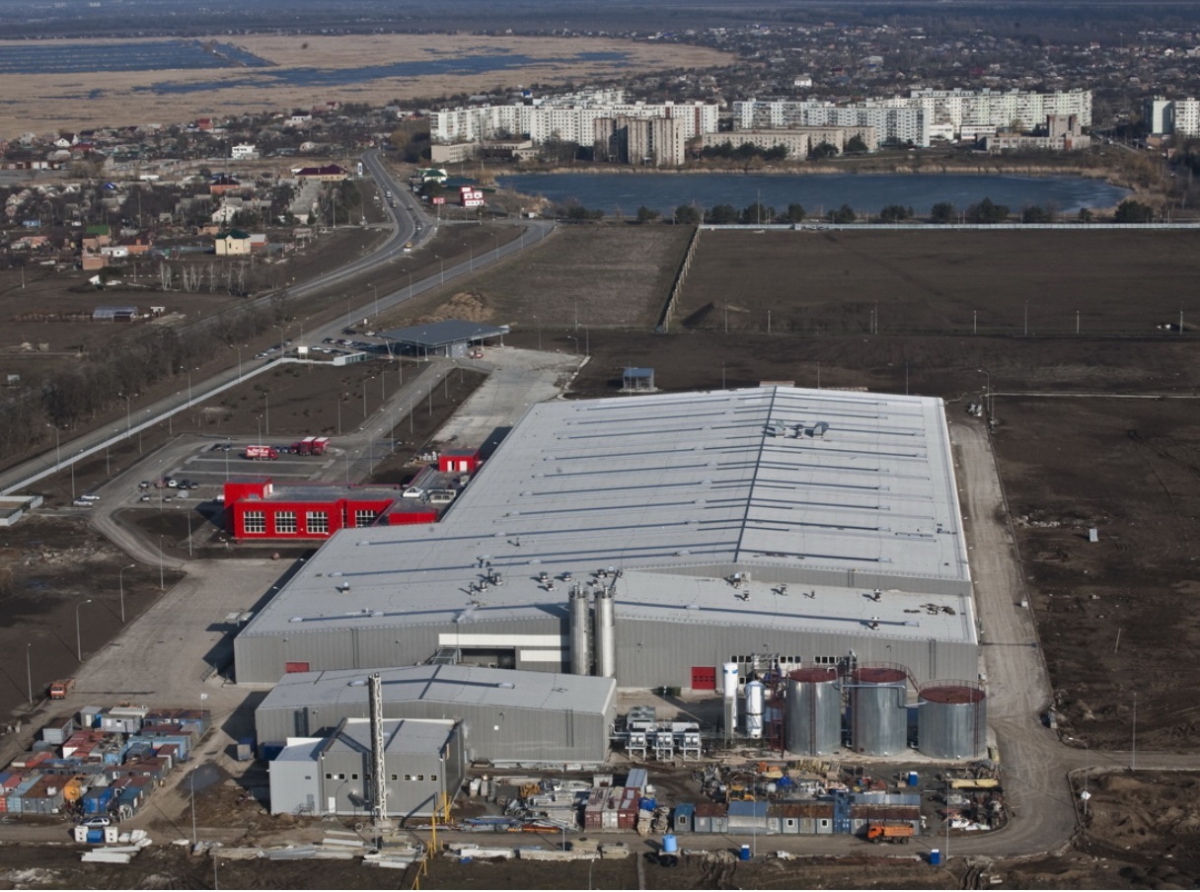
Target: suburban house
235,242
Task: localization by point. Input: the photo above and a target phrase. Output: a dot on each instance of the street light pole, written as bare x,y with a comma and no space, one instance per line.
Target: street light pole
162,585
376,292
78,634
988,396
121,583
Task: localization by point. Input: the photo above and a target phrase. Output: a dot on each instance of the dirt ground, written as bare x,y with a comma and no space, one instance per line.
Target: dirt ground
1128,468
49,566
602,276
940,282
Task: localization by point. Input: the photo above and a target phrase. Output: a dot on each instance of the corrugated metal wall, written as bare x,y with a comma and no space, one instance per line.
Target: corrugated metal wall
495,734
650,653
654,653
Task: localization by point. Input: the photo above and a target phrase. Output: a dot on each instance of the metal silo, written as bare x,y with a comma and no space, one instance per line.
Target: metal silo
729,686
952,720
879,710
754,709
581,642
813,711
606,643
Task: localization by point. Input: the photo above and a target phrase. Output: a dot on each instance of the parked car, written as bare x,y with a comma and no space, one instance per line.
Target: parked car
82,503
90,497
172,483
145,497
145,484
98,821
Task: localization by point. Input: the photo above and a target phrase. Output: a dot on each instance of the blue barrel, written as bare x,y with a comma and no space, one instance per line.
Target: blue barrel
670,845
744,854
913,778
935,857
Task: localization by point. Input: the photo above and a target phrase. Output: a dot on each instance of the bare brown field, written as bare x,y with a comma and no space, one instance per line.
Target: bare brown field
942,282
43,103
601,276
1130,469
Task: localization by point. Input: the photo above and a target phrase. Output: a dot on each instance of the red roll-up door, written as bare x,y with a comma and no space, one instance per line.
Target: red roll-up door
295,667
704,678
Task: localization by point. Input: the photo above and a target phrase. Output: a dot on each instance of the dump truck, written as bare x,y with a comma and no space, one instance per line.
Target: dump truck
900,833
269,453
59,689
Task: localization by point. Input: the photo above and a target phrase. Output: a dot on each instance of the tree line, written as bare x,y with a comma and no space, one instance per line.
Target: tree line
981,213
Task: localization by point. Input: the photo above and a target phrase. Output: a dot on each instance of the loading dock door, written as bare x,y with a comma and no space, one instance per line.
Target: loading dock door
704,678
295,667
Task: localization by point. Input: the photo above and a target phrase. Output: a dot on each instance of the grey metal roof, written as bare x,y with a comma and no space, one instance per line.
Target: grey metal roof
418,736
806,487
439,334
467,685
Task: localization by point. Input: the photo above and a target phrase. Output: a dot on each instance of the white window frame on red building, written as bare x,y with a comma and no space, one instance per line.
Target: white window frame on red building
254,523
285,522
316,521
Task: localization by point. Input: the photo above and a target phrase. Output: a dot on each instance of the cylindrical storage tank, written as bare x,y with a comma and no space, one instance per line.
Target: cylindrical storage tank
813,711
729,687
581,641
754,709
606,643
879,710
670,845
952,720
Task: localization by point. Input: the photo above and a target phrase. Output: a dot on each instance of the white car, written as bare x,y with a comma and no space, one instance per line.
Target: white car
99,821
82,503
90,497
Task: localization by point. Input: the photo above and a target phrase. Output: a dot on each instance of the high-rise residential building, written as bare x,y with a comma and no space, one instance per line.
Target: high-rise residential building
916,118
1166,117
567,119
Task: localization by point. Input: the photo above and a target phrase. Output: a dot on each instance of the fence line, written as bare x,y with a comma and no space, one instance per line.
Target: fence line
664,322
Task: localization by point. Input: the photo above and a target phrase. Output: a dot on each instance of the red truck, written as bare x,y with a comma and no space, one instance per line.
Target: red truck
310,446
269,453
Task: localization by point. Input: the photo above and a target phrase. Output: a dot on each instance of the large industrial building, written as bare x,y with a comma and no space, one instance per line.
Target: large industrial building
653,539
502,715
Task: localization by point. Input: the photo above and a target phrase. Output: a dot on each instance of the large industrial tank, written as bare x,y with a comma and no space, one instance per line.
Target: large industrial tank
581,642
879,710
952,720
729,687
755,695
813,711
606,642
